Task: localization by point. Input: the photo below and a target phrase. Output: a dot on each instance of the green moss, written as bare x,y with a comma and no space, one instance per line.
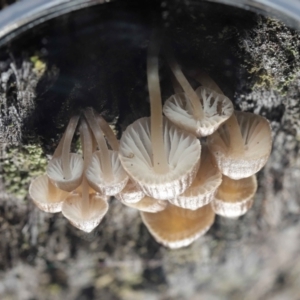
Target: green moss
20,165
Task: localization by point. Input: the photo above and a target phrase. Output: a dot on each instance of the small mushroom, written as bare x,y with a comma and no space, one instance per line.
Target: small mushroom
105,173
131,193
84,210
242,145
200,112
204,186
65,169
176,227
161,158
148,204
46,195
234,197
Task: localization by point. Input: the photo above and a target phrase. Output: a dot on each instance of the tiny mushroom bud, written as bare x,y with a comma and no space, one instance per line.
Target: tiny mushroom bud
204,186
65,169
45,195
234,197
242,145
175,227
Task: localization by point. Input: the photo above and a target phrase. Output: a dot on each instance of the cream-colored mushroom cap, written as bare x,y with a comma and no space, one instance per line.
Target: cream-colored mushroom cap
182,151
234,197
217,108
132,193
97,177
56,174
46,196
242,145
204,186
104,173
85,217
148,204
177,227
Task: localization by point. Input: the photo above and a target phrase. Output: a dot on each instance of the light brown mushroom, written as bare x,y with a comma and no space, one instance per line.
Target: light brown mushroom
84,210
132,193
175,227
234,197
148,204
65,169
46,195
161,158
105,173
242,145
204,186
200,112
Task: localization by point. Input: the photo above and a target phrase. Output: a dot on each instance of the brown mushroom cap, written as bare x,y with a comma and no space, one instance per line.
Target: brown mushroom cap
244,157
46,196
204,186
176,227
84,219
132,193
182,151
148,204
217,108
234,197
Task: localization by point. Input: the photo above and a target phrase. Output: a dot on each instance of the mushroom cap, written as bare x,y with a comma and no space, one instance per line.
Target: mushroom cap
217,109
56,174
183,155
131,193
256,133
177,227
204,186
45,195
234,197
84,220
148,204
96,177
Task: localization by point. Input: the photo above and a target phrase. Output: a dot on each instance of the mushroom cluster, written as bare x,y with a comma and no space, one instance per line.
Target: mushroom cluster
192,158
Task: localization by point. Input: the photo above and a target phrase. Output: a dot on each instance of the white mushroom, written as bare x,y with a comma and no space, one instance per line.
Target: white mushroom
105,173
46,195
200,112
204,186
84,210
161,158
242,145
65,169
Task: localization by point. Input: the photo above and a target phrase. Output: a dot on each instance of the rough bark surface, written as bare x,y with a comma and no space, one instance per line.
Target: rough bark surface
255,60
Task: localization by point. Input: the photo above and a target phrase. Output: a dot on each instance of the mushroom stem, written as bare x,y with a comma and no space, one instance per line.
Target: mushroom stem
191,94
66,145
160,163
104,154
207,81
176,86
87,149
236,138
109,134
